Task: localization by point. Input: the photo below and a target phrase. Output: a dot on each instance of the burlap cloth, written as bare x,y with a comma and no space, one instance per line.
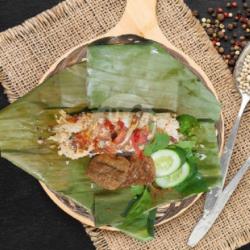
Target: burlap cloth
27,51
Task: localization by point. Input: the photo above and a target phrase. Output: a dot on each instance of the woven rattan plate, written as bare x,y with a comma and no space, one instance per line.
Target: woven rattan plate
164,213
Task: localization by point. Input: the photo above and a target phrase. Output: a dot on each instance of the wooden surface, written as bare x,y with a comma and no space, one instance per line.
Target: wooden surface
138,19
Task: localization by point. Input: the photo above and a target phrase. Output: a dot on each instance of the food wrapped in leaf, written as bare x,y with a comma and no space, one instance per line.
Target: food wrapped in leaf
81,133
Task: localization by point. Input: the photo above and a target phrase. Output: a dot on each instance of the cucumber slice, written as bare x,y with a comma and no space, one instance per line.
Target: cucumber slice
166,162
175,178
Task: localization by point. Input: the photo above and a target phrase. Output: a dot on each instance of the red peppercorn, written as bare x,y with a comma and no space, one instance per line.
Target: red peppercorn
234,4
219,10
214,42
225,14
243,19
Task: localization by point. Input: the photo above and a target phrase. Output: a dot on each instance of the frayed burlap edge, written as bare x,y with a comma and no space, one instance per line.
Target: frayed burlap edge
235,242
34,25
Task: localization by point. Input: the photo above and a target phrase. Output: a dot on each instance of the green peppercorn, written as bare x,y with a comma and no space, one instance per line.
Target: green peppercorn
220,17
221,34
221,50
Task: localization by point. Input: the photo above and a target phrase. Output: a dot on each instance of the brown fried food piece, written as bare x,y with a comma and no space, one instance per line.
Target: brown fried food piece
108,171
141,171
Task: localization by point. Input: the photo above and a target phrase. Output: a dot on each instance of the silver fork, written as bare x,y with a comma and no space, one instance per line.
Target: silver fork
228,148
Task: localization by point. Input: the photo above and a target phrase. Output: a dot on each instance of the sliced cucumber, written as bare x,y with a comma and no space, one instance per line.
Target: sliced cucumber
166,162
175,178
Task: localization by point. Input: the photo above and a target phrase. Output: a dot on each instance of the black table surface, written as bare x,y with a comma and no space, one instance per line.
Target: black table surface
28,218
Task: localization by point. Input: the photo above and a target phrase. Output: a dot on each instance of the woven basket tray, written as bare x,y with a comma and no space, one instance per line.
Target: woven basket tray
164,213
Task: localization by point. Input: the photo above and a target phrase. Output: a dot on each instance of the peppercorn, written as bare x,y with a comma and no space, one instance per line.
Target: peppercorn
236,57
243,44
221,50
231,62
230,26
245,5
235,24
235,35
243,19
228,5
219,10
225,37
244,26
214,42
220,17
248,23
242,38
234,4
237,18
232,41
230,14
236,47
221,34
226,14
210,31
210,10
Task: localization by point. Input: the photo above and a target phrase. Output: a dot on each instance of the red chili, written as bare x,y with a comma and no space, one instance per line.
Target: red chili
109,125
138,152
140,136
120,124
120,136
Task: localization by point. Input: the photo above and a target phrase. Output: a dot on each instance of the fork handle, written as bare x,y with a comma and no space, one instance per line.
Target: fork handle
228,148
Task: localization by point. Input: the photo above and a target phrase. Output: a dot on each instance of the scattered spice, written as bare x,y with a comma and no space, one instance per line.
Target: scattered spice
244,78
228,24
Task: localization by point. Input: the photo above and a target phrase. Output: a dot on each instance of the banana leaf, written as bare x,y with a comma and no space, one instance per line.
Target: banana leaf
29,119
119,76
144,74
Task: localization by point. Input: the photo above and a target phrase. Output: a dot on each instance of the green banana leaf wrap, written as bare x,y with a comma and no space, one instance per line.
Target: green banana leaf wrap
114,76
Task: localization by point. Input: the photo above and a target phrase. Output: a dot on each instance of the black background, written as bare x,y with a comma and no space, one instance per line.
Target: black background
28,218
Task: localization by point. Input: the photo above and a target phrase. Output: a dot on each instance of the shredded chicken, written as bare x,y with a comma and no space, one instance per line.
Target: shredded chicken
88,134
